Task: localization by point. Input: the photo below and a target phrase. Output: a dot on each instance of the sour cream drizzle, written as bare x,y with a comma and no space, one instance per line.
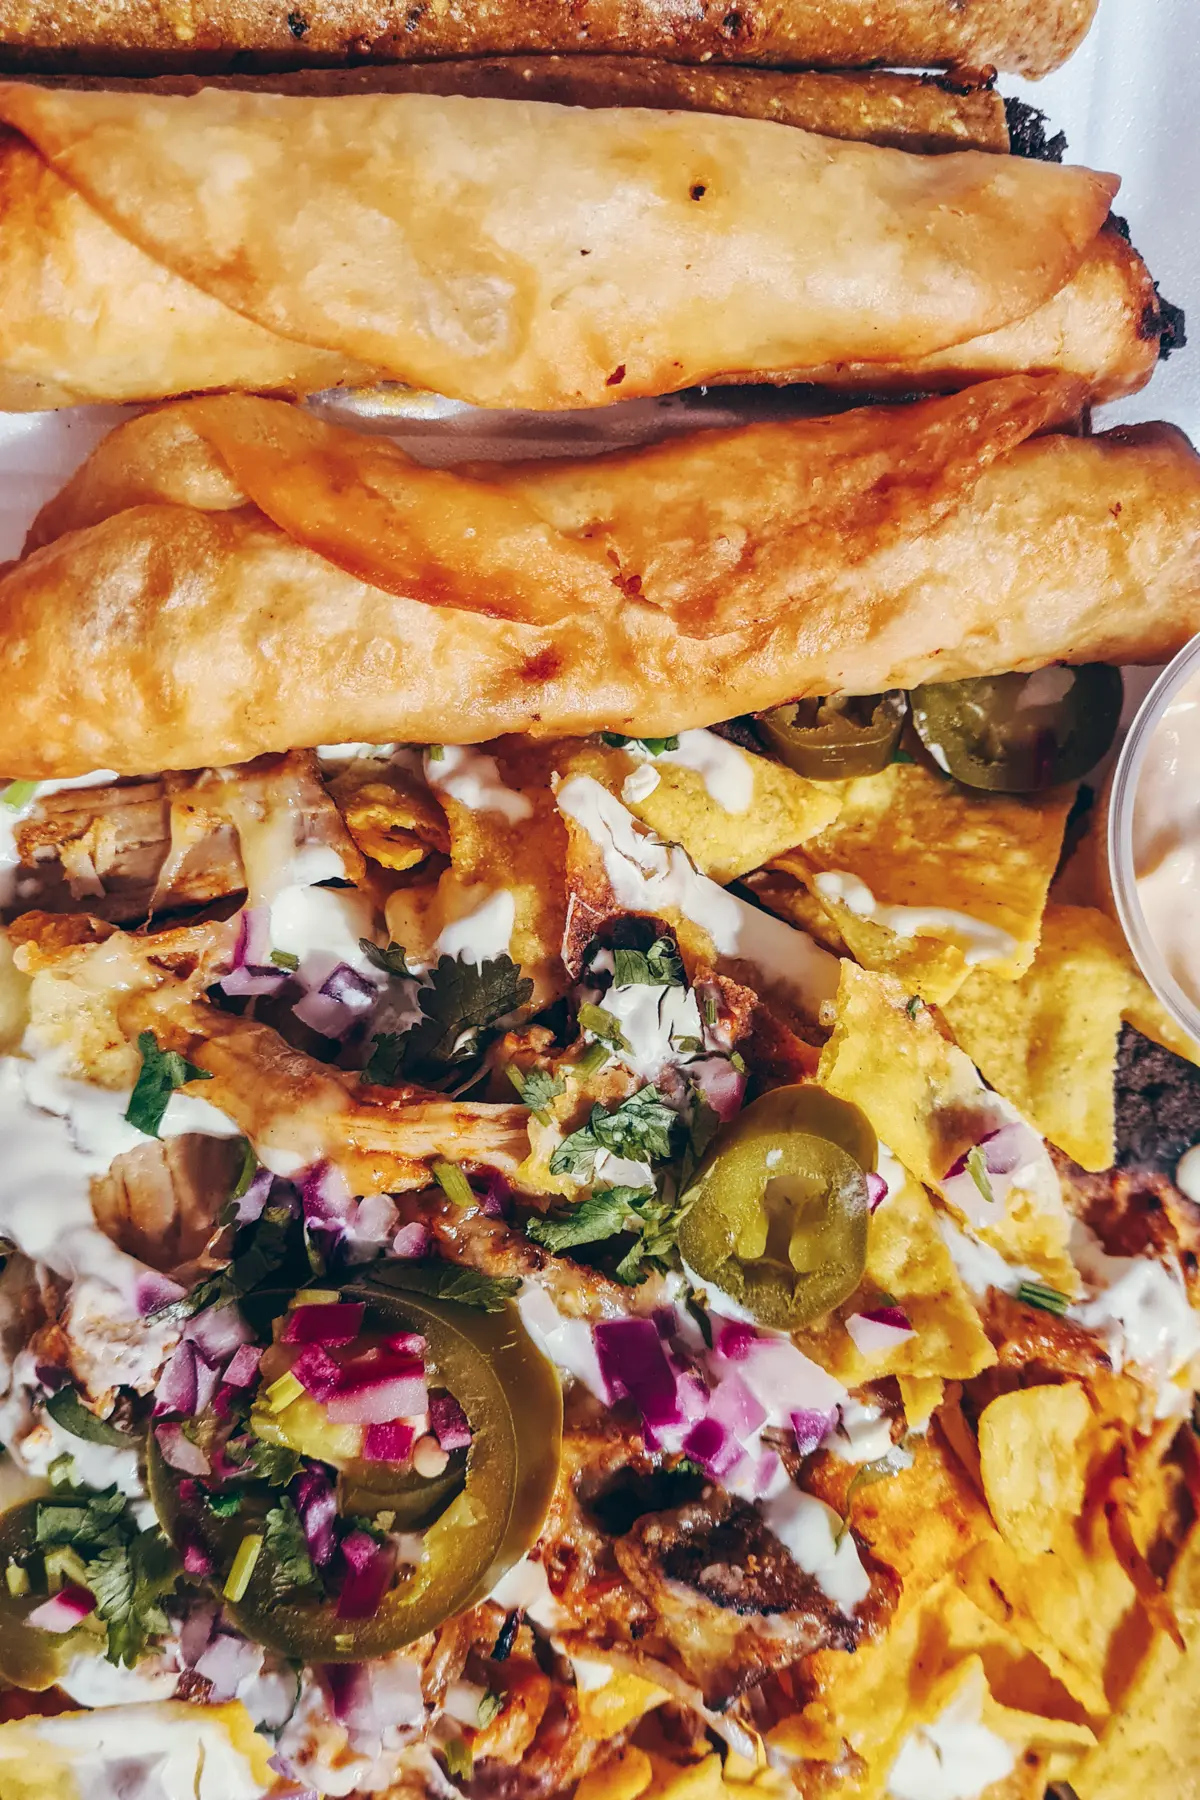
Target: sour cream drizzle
465,774
648,876
726,771
979,942
956,1755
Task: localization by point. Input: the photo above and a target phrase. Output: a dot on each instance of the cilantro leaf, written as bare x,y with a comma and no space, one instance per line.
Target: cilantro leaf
383,1064
391,961
608,1212
246,1173
162,1071
223,1504
67,1409
640,1128
659,966
447,1281
85,1521
284,1534
273,1463
128,1583
655,746
461,1000
537,1089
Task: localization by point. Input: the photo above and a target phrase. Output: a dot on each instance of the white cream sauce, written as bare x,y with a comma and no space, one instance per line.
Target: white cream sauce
809,1529
648,876
465,774
324,928
94,1681
1187,1173
1139,1307
640,783
955,1756
1166,837
484,932
653,1021
566,1342
862,1434
527,1587
169,1751
979,942
726,771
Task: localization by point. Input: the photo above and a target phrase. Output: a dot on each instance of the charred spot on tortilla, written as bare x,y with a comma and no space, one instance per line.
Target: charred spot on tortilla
1028,133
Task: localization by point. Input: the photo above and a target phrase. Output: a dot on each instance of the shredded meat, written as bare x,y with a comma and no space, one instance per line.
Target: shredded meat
1031,1342
161,1203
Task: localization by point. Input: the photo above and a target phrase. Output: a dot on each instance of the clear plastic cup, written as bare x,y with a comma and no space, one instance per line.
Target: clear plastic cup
1122,806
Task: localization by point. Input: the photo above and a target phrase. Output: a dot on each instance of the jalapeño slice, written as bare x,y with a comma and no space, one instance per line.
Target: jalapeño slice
837,736
1017,734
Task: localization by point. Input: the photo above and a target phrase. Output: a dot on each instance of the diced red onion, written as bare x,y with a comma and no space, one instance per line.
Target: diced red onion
732,1404
217,1332
723,1087
325,1197
390,1443
634,1364
496,1198
316,1506
317,1372
375,1390
349,1688
812,1427
407,1343
411,1241
736,1340
196,1560
338,1323
242,1368
714,1447
175,1391
877,1189
252,979
227,1661
342,999
371,1225
369,1576
180,1452
449,1422
64,1610
153,1291
1004,1150
876,1333
331,1211
253,972
251,1204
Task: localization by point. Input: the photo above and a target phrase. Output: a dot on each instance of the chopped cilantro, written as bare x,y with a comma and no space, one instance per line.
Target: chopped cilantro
292,1566
391,961
640,1127
67,1409
128,1584
223,1503
608,1212
459,1001
1046,1299
709,1009
86,1521
602,1025
659,966
653,746
914,1006
273,1463
447,1281
383,1064
162,1071
537,1089
977,1169
285,959
246,1173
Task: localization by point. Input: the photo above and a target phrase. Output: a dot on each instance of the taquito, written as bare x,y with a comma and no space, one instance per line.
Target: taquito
516,253
140,36
926,114
231,576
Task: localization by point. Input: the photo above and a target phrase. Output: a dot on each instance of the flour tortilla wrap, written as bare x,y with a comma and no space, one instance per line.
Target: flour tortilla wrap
231,576
508,253
141,36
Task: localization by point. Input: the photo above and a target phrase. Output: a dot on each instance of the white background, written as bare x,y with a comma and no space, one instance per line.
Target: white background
1129,102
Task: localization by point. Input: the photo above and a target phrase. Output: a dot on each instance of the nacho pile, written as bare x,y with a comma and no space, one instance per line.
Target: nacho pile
483,1032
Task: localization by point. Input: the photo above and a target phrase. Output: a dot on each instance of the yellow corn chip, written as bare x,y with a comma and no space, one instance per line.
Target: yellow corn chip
788,896
605,1710
907,1260
1048,1041
975,866
390,812
1149,1747
1033,1454
927,1103
921,1395
624,1779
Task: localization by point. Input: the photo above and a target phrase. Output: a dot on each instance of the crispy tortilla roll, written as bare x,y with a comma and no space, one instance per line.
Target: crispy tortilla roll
1030,37
919,113
503,252
231,576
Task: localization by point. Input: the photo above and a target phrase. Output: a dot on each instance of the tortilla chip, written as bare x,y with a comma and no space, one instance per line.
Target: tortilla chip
625,1779
1146,1013
788,896
1048,1041
916,839
907,1260
1149,1747
1033,1455
927,1103
920,1395
605,1710
390,812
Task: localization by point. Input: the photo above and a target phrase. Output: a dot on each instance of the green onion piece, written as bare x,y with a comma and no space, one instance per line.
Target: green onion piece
453,1183
459,1761
914,1006
284,959
1046,1299
18,794
737,1061
515,1076
602,1025
16,1579
282,1392
490,1705
977,1169
710,1009
593,1058
436,752
248,1553
64,1565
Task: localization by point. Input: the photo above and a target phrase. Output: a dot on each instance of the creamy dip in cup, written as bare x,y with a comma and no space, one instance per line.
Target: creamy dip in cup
1154,837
